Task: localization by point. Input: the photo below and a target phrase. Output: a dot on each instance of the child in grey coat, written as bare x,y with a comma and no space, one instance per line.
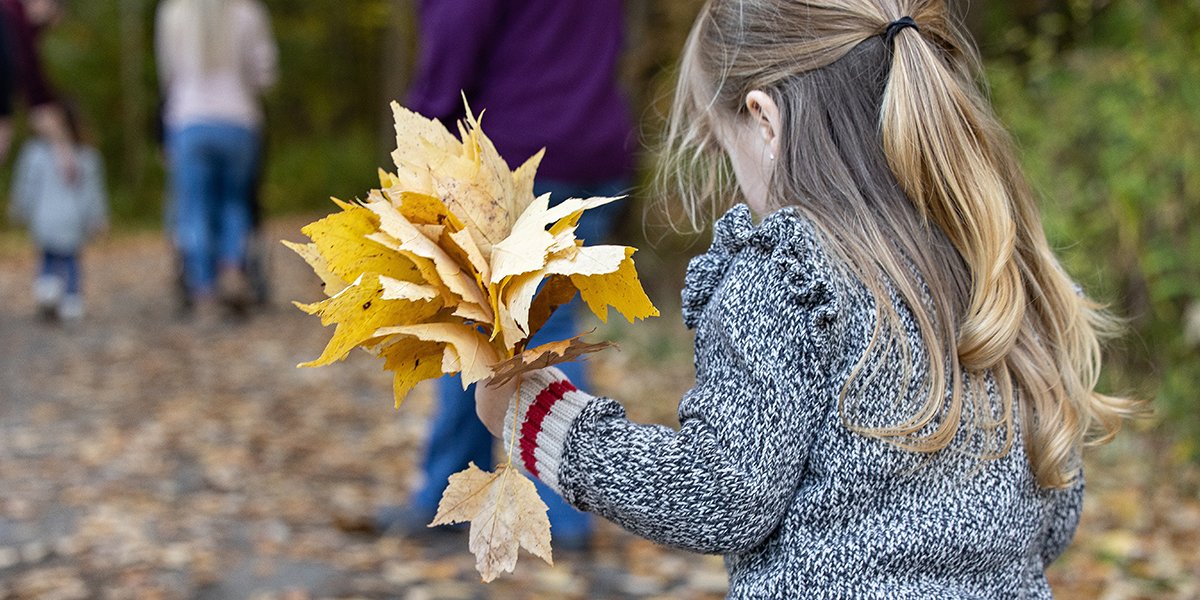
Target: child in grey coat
61,214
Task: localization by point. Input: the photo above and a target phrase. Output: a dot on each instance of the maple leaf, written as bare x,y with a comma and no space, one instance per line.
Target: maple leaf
505,513
469,175
359,311
546,355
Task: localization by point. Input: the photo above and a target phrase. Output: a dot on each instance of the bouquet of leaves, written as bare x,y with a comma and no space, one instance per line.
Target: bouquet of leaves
450,267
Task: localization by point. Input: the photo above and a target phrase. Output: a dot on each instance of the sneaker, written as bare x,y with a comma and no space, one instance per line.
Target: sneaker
70,310
47,291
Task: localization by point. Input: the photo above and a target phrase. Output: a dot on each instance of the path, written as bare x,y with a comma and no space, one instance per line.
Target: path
145,457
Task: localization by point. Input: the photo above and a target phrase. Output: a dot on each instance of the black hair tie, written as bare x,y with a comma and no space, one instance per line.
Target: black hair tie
895,27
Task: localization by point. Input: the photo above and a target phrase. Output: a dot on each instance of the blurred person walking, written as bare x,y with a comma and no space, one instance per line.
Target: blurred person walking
61,215
21,74
545,72
215,58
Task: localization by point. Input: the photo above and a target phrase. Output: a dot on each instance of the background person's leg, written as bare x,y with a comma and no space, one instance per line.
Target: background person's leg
237,149
456,438
192,177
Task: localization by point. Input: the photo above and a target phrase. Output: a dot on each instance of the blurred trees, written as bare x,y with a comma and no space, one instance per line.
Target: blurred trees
1103,96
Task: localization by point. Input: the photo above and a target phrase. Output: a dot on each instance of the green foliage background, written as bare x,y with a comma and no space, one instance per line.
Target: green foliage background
1110,129
1102,95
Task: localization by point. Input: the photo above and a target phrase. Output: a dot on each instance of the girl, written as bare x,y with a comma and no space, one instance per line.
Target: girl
894,375
61,212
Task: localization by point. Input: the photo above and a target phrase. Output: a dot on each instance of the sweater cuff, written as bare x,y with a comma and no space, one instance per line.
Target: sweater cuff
548,405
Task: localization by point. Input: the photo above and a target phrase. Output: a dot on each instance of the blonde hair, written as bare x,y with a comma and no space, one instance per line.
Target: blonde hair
896,156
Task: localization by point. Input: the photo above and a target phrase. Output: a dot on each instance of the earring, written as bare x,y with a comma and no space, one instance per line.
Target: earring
771,156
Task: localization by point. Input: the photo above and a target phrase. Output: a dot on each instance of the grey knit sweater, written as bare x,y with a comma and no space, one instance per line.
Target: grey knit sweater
762,468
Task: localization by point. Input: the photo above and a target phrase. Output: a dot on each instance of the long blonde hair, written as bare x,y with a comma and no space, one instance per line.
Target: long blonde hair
896,156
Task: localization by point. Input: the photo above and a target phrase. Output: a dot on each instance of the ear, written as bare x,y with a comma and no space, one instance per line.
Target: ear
766,116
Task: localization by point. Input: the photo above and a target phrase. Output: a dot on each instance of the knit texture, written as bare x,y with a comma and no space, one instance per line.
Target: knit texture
763,469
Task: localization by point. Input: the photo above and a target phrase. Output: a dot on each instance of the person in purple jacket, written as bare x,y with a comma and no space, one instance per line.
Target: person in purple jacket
21,75
545,72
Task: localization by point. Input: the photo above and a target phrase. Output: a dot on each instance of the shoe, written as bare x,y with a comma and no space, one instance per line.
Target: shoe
70,310
233,289
47,291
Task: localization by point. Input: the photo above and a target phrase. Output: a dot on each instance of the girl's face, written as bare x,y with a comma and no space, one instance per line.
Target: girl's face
752,143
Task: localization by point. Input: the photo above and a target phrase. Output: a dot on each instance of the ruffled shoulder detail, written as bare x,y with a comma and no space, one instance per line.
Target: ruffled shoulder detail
706,271
795,249
786,240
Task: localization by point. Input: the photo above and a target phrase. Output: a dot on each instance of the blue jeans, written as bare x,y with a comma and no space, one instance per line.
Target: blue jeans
458,437
214,166
65,267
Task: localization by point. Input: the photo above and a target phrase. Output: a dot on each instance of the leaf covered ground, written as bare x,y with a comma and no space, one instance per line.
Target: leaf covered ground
142,456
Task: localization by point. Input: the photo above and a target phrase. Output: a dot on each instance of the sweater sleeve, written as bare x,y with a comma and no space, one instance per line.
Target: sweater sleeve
724,480
1065,508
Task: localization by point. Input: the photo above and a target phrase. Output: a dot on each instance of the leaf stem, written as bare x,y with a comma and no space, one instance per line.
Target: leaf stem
512,443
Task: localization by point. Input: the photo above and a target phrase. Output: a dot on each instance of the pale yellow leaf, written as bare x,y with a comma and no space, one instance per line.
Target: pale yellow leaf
505,514
423,149
587,260
524,250
465,244
394,289
408,238
527,247
470,176
519,297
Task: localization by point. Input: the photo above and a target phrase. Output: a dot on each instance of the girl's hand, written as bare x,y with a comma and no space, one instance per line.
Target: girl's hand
491,404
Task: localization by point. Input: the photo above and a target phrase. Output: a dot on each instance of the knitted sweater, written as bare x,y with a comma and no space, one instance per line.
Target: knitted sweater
762,468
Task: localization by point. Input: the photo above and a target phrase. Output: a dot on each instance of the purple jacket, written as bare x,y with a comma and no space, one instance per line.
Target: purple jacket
543,70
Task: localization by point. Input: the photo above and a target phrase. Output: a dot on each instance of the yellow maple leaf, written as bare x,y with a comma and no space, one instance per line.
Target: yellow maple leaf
342,240
410,361
475,355
331,283
360,310
620,289
505,513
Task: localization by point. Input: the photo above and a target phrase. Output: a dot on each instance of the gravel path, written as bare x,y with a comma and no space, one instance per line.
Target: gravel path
144,456
147,457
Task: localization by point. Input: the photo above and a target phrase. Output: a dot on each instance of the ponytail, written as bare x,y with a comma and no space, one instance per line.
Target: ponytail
1024,320
880,95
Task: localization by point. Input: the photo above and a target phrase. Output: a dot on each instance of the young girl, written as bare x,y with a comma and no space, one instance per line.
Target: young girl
62,213
894,375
